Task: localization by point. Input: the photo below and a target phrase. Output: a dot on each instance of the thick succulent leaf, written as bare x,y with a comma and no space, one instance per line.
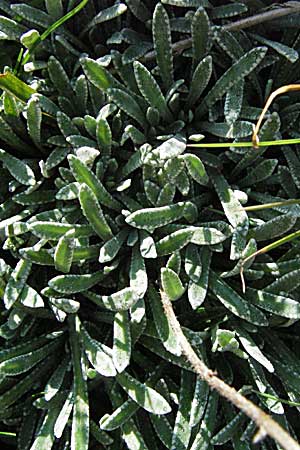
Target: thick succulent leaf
143,395
23,363
34,119
226,433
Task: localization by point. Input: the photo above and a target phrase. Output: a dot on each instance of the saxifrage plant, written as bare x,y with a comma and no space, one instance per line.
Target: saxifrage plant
104,204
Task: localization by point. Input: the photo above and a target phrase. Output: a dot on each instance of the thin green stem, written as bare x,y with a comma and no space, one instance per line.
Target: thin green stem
272,397
245,144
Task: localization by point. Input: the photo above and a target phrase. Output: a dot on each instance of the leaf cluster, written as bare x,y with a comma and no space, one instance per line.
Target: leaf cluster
104,204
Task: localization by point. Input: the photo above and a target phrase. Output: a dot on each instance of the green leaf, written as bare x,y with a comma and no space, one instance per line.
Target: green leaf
280,305
203,438
274,227
112,247
70,284
151,218
235,303
93,212
97,355
252,348
23,363
83,174
196,168
18,169
119,416
65,304
16,283
259,173
226,433
143,395
45,436
171,284
287,52
163,327
120,300
55,381
97,74
182,428
104,135
127,104
106,14
192,263
137,273
169,149
239,70
12,84
199,401
59,77
162,45
64,251
34,119
150,90
234,211
122,341
54,230
174,241
197,290
200,34
80,421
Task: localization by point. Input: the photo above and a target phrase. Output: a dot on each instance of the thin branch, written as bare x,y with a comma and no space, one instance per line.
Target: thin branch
285,10
266,425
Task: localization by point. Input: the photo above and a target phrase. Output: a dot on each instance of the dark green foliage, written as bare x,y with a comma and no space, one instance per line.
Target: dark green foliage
103,204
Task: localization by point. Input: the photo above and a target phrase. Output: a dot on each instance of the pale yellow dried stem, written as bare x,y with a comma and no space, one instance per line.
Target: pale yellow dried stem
265,424
279,91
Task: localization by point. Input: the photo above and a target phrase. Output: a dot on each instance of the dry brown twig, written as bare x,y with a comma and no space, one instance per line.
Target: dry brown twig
266,425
